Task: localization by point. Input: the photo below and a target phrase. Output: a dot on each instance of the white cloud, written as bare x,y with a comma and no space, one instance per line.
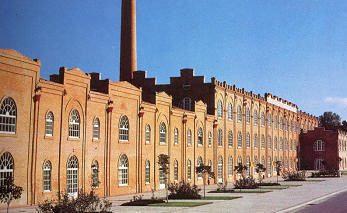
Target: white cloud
336,100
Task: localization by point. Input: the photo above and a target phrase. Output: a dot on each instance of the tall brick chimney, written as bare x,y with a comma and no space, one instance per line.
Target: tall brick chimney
128,59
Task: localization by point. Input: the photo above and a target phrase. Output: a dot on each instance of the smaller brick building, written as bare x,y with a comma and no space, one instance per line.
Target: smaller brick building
323,149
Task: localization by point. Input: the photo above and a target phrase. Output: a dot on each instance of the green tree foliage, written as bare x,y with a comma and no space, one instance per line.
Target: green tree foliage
330,120
9,191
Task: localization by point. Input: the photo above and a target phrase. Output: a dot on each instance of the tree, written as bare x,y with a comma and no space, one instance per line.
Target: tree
163,161
9,191
239,169
205,171
278,166
260,169
344,126
330,120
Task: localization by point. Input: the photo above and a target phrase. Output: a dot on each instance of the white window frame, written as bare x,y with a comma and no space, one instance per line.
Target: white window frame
8,116
319,145
124,128
148,172
220,109
189,137
209,139
162,133
230,166
239,114
200,137
230,138
148,134
96,129
74,124
220,137
230,111
220,169
123,171
95,174
248,116
46,179
49,124
239,140
176,136
248,140
6,167
189,169
72,177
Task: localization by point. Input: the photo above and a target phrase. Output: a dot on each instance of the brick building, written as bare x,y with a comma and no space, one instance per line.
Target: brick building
323,149
77,131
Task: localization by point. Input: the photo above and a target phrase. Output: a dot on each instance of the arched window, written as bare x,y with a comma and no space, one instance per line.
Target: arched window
248,140
262,119
187,103
200,162
209,139
220,137
47,167
286,124
291,144
200,140
269,121
281,143
275,143
263,160
161,177
72,176
124,128
275,122
220,169
96,129
248,115
230,138
239,139
291,125
319,145
189,135
176,135
189,169
239,114
281,123
255,141
255,160
220,109
239,160
269,142
285,144
230,166
230,112
6,167
176,170
123,167
148,172
8,116
269,164
49,124
255,117
291,163
248,164
294,126
162,134
74,124
148,133
262,141
95,174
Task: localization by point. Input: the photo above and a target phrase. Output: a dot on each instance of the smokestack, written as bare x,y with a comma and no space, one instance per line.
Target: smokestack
128,41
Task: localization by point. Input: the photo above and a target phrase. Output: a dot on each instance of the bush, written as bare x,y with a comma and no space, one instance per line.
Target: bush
326,173
294,176
245,183
84,203
222,187
183,190
268,184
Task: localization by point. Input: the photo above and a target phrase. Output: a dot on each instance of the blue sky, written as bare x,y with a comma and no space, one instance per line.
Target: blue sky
296,50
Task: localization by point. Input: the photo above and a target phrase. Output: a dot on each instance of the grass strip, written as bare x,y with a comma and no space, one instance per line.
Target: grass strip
294,185
242,191
314,180
220,197
180,204
273,187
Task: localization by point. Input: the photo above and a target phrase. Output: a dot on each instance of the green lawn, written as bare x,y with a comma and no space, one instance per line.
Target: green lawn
279,187
294,185
180,204
242,191
220,197
314,180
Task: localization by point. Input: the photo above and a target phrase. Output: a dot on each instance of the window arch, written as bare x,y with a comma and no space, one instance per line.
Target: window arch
72,176
255,141
230,112
248,115
262,119
49,124
200,162
96,129
176,170
319,145
209,139
189,169
124,128
8,116
239,114
162,133
123,168
248,140
187,103
220,169
189,135
255,117
230,166
239,139
176,136
148,172
220,137
200,136
148,133
74,124
230,138
6,167
220,109
95,174
47,167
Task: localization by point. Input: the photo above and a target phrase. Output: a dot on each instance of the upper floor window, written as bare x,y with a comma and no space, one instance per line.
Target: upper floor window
124,128
286,124
187,103
162,134
269,121
291,144
176,135
74,124
248,140
248,115
220,137
269,143
148,133
189,135
239,114
209,139
275,143
255,117
281,143
294,126
239,139
200,142
291,126
8,115
6,167
281,123
230,112
220,109
96,129
285,144
49,124
275,122
319,145
230,138
262,141
262,119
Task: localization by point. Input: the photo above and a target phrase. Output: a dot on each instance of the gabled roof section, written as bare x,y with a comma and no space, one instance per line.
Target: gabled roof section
10,53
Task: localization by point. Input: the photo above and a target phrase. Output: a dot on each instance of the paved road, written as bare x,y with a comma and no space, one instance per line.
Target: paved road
336,204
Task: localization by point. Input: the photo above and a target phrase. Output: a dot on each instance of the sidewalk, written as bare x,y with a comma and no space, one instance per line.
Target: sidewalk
274,201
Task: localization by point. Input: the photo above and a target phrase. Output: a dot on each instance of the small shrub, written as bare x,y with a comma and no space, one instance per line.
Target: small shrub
268,184
294,175
326,173
245,183
222,187
183,190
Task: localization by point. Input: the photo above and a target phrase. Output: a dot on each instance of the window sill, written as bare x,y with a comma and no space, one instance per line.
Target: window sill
3,134
147,183
73,139
47,191
48,137
122,185
95,139
199,145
